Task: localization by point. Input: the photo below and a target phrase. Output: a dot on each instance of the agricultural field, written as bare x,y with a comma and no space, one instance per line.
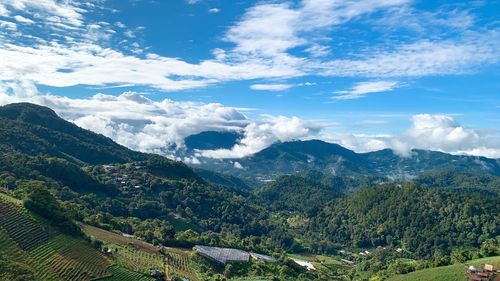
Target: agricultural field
115,238
136,260
446,273
51,255
179,262
25,231
123,274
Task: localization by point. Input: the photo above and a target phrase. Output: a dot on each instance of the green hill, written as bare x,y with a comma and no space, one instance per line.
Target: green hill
31,249
35,130
454,272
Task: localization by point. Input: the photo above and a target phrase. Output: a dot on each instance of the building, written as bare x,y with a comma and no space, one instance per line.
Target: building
222,255
261,257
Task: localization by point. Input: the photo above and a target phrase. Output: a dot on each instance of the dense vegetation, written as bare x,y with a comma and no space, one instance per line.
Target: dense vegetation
340,203
423,221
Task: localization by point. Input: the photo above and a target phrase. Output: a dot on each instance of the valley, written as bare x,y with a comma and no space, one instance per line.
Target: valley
77,206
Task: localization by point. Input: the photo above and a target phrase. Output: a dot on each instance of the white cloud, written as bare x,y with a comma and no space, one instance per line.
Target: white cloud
422,58
10,26
260,135
359,90
3,11
430,132
271,87
259,52
142,124
22,19
192,2
213,10
160,126
48,10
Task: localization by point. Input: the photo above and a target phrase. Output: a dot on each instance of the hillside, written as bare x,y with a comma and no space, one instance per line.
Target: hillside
445,273
31,249
296,193
35,130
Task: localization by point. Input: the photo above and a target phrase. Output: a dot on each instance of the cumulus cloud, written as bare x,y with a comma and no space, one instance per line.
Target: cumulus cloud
51,11
430,132
260,135
359,90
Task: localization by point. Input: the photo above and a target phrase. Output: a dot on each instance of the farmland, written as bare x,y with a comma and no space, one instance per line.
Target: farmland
139,256
26,232
445,273
123,274
51,255
114,238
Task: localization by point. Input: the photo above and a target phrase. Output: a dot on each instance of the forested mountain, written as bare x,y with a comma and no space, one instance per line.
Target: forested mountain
212,140
34,130
298,156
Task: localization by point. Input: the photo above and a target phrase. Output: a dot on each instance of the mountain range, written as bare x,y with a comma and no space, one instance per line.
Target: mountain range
284,158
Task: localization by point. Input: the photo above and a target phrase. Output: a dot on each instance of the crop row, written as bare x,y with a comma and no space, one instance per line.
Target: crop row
27,233
70,259
138,261
179,261
123,274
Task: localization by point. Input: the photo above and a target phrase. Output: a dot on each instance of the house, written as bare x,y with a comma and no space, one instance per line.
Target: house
222,255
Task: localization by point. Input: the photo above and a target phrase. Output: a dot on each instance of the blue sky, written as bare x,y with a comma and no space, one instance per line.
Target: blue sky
367,74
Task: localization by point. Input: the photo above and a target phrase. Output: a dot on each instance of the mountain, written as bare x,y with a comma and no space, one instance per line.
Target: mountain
212,140
35,130
105,179
297,156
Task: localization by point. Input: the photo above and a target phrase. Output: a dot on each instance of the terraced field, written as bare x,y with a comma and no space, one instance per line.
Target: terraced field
123,274
52,256
71,259
137,260
25,231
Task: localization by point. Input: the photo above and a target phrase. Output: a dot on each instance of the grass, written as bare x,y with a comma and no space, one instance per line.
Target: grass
446,273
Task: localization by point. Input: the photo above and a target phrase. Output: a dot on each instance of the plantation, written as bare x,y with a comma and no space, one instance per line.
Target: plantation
49,255
118,239
26,232
136,260
179,262
123,274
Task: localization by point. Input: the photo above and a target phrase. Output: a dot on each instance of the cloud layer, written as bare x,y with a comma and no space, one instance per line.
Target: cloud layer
160,127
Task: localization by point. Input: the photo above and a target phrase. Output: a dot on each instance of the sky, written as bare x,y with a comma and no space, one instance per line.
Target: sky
367,74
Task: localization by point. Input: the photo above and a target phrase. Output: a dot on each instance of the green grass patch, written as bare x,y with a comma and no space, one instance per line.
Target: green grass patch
446,273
